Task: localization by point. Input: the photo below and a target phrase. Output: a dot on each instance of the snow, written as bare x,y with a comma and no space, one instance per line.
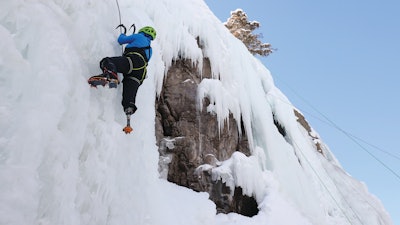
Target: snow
65,160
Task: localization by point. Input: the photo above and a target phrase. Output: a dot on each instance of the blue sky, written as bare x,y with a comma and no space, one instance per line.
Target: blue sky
338,62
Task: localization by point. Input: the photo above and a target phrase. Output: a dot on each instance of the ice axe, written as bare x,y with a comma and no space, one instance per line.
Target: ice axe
123,26
128,129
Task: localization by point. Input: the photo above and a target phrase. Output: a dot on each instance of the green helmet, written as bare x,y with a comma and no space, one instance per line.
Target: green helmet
149,31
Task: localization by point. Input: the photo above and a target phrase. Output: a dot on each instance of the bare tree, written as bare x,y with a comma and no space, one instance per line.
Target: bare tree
242,29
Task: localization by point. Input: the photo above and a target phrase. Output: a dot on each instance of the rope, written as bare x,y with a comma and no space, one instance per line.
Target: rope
120,22
119,13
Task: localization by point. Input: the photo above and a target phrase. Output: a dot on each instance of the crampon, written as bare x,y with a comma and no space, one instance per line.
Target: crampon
103,81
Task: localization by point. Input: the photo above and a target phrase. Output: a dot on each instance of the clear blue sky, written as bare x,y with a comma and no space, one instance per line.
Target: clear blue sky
342,58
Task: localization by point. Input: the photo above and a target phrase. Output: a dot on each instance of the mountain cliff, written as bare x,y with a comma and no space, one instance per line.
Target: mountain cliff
214,141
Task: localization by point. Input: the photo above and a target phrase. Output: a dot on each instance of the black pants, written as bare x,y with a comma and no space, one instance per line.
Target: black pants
134,71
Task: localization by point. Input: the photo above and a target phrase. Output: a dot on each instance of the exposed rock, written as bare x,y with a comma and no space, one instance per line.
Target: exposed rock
302,120
189,137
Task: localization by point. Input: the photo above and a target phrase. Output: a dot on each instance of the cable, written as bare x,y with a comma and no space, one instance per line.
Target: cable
344,132
329,124
338,189
352,137
372,155
326,188
376,147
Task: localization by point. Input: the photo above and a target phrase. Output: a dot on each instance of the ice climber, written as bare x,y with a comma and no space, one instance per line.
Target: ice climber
132,64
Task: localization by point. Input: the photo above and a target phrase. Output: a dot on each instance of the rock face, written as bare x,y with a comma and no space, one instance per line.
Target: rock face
189,137
302,120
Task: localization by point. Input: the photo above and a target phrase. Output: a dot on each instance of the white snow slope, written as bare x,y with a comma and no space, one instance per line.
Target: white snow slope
64,159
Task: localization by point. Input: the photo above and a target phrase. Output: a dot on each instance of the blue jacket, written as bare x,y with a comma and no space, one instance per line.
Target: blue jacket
139,40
